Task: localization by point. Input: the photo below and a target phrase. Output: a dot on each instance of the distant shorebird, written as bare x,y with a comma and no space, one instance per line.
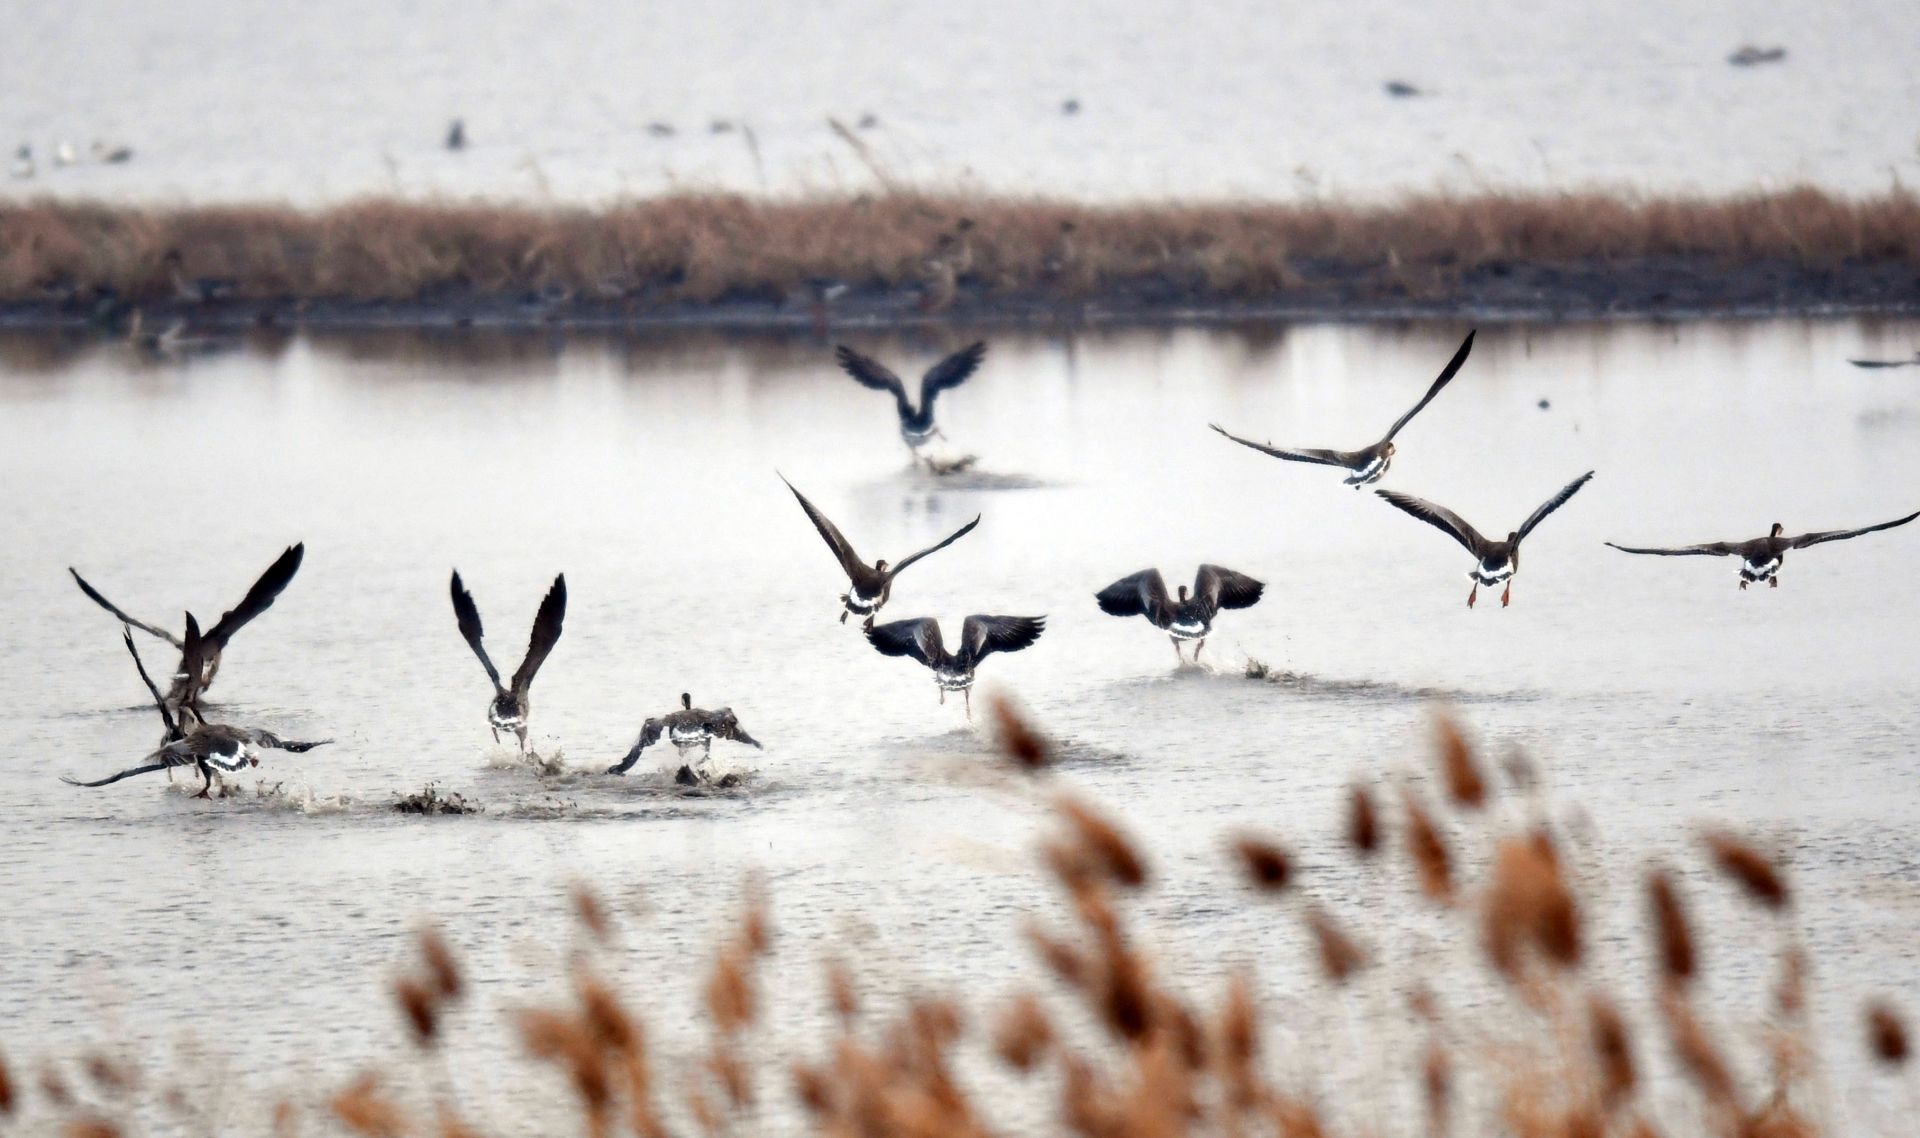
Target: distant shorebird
1370,462
686,729
1497,561
868,586
1761,557
23,163
980,637
457,135
508,711
1189,618
111,155
64,154
1885,363
200,653
916,423
206,747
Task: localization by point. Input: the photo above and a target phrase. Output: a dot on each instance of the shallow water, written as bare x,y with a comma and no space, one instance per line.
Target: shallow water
1653,692
1237,99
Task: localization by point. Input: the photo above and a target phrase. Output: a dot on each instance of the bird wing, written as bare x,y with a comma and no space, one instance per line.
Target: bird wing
546,633
147,768
269,739
1553,503
259,598
1225,589
94,594
649,735
872,373
725,725
1142,594
836,541
982,636
1446,374
1300,454
1807,539
951,372
1704,549
1440,518
956,535
918,638
468,614
159,701
1879,363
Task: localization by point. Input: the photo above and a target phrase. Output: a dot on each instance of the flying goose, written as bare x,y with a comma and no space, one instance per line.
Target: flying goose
916,425
1370,462
198,667
206,747
686,729
508,711
869,586
1760,558
980,637
1498,560
1189,618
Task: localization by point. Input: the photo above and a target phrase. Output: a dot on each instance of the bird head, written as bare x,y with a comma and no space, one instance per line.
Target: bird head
880,566
1513,537
1388,452
1777,530
686,701
1183,594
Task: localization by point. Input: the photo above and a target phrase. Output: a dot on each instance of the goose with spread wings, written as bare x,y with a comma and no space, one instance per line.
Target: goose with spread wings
1760,558
1495,561
197,668
916,423
205,747
1188,618
686,729
1368,464
980,637
868,586
508,711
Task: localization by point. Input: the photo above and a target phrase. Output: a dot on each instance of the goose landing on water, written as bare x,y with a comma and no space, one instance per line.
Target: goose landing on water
868,587
1189,618
1368,464
686,729
980,637
1497,561
209,746
916,423
1760,558
508,711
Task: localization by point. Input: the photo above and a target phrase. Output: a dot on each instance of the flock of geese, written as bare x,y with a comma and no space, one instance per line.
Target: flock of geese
191,739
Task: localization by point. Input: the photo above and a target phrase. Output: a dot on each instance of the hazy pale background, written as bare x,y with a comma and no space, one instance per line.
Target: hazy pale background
320,102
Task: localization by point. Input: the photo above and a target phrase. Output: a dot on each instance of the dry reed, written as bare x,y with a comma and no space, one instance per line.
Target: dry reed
1886,1034
1753,870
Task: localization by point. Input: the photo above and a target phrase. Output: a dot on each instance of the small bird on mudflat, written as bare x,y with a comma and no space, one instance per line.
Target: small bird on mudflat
916,423
1760,558
1368,464
1189,618
686,729
508,711
980,636
205,747
868,586
1496,561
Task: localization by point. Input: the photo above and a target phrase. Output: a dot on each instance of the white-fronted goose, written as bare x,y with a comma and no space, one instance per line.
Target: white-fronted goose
198,668
916,423
868,586
1760,558
508,711
686,729
1497,561
1370,462
206,747
980,637
1189,618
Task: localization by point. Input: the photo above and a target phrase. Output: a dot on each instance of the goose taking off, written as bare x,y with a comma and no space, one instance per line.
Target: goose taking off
980,637
1189,618
686,729
1370,462
206,747
916,424
197,669
868,586
1760,558
508,711
1497,560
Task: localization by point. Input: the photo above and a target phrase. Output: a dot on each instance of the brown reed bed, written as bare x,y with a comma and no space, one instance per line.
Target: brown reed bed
1100,1029
907,256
